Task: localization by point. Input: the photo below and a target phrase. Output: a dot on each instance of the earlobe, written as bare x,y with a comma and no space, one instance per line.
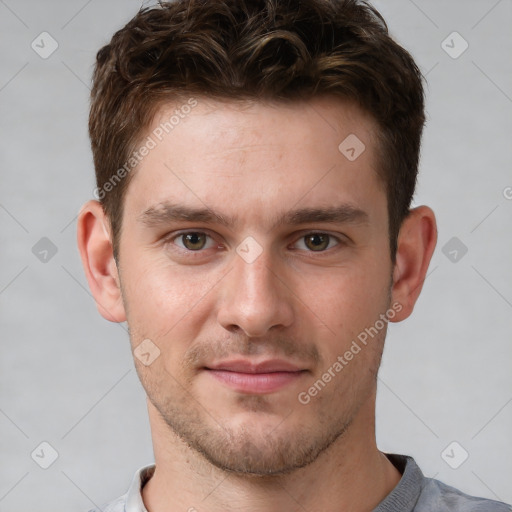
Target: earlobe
94,244
416,244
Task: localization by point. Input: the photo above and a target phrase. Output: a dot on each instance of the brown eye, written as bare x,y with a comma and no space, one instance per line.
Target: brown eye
317,241
193,241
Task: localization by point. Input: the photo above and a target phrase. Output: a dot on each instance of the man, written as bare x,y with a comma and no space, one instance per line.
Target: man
255,164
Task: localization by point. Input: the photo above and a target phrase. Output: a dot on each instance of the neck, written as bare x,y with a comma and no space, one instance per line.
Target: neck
351,475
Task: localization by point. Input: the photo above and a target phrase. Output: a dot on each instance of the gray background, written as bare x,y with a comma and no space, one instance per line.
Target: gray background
67,375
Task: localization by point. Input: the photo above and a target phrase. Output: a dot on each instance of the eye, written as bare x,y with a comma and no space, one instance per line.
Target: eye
317,242
193,241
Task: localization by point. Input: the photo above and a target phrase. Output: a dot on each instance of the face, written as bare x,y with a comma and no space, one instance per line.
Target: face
254,255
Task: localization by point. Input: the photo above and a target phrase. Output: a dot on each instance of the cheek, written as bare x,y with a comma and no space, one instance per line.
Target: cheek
164,299
348,298
351,306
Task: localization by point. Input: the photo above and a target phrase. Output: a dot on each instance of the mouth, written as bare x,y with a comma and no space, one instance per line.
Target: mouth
248,377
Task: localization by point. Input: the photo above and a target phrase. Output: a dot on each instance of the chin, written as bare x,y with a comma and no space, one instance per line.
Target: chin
261,448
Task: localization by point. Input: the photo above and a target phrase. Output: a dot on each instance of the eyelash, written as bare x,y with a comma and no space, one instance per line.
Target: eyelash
172,237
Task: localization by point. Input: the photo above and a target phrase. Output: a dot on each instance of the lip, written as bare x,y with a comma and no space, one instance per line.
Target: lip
246,366
255,378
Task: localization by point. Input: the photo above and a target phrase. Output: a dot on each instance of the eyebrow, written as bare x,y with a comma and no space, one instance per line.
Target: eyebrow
167,212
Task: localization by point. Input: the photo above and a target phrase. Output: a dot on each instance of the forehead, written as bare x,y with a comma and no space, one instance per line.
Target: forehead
264,155
235,125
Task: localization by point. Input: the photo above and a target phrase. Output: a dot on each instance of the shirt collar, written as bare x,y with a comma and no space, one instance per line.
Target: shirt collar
402,497
134,501
406,493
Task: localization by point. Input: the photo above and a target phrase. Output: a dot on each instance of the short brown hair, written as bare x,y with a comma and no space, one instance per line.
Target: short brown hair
256,50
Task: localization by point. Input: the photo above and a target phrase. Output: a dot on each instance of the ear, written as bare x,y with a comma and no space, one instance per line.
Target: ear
94,244
416,243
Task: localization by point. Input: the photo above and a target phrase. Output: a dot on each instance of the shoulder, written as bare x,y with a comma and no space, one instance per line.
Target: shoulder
132,500
117,505
440,497
416,493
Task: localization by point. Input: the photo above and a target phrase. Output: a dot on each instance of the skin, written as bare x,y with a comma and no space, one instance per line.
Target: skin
220,449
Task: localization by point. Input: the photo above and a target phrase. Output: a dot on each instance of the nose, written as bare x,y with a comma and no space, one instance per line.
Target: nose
255,297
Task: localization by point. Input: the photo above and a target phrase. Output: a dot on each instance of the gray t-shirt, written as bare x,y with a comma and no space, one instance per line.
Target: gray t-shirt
414,493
